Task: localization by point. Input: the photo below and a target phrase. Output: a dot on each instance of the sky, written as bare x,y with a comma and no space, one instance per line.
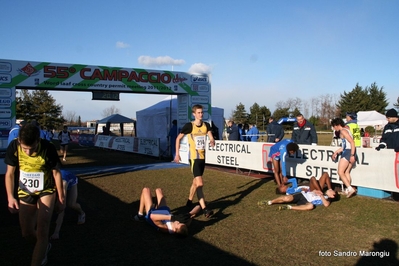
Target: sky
256,51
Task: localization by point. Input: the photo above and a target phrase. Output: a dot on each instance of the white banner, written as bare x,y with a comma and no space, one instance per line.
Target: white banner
129,144
373,169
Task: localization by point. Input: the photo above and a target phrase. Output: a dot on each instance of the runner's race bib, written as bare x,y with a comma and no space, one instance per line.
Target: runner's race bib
31,181
200,143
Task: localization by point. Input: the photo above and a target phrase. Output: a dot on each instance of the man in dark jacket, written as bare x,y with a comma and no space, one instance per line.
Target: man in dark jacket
304,132
233,131
275,131
390,134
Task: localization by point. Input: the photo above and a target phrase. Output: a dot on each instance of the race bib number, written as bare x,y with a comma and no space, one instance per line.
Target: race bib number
31,181
200,143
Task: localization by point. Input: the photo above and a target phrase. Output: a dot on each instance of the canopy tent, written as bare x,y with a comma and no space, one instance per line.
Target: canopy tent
155,121
114,119
371,118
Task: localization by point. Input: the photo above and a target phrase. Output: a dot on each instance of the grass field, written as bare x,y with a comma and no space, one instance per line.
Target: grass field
240,233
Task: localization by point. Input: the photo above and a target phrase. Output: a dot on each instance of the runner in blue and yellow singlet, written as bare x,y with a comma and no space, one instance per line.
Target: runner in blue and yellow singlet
39,179
196,132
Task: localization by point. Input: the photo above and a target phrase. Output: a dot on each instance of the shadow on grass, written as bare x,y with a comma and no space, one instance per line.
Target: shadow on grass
109,237
383,253
221,204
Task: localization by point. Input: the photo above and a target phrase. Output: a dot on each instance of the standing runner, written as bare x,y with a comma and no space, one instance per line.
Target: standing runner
64,137
39,179
196,132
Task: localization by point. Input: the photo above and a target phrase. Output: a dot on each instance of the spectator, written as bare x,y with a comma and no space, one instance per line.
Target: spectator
348,155
278,153
351,123
306,200
243,136
50,134
390,134
232,129
13,134
304,132
253,133
44,133
275,131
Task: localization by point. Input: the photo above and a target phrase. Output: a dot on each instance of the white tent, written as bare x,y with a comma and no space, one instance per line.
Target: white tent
155,121
371,118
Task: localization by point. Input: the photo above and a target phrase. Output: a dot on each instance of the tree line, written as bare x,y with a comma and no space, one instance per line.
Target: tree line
40,106
319,110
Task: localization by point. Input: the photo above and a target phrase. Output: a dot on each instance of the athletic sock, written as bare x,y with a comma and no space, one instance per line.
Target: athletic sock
140,214
289,207
269,202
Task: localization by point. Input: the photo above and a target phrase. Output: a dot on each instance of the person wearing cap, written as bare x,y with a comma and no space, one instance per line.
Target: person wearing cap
390,134
13,134
275,131
351,123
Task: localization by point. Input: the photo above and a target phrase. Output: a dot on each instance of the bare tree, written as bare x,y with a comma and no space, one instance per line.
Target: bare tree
110,111
315,105
70,117
305,110
291,104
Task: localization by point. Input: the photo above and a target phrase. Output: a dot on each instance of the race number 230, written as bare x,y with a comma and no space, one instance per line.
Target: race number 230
32,181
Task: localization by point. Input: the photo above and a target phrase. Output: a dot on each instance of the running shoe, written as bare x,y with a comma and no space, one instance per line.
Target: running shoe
351,193
263,203
208,213
282,208
139,218
344,192
82,218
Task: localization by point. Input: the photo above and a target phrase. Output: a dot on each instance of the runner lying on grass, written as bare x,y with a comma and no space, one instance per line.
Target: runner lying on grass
306,200
160,216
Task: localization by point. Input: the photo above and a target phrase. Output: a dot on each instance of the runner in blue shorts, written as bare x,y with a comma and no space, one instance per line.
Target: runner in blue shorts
160,217
70,184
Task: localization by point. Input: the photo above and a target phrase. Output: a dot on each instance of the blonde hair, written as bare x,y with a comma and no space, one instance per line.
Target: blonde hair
195,107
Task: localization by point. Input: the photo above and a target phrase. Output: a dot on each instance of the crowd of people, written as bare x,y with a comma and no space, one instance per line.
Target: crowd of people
240,132
37,186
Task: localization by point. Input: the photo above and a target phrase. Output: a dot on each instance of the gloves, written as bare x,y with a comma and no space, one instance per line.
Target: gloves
181,218
380,147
